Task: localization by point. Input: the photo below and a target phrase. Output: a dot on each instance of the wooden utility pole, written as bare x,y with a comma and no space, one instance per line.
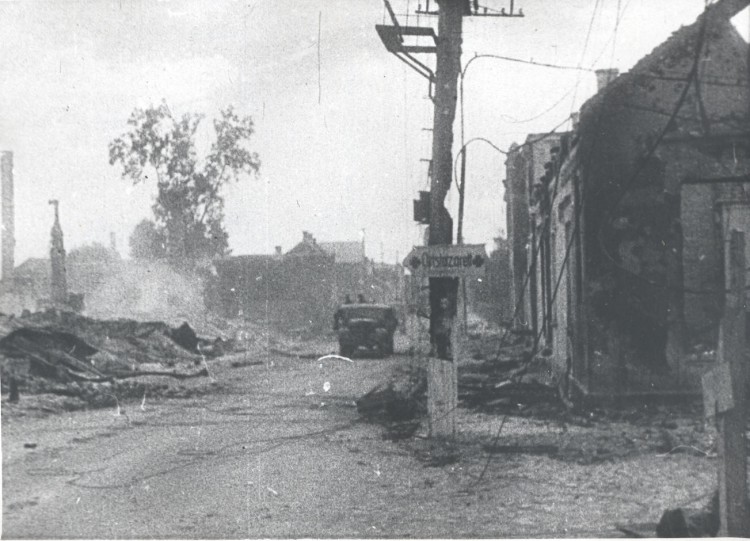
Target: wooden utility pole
442,390
442,380
448,67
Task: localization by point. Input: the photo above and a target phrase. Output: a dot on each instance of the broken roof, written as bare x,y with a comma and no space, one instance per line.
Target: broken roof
672,60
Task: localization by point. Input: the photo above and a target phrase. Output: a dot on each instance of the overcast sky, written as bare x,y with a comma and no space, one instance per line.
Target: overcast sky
335,161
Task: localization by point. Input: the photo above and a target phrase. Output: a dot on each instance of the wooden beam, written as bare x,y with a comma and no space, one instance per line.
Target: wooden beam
733,501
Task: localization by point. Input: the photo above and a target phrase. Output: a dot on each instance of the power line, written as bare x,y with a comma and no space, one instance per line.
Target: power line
579,207
531,62
618,18
652,150
512,120
583,51
692,79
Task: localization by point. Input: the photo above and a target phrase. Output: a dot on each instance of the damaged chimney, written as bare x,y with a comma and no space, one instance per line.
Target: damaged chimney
58,279
8,235
604,77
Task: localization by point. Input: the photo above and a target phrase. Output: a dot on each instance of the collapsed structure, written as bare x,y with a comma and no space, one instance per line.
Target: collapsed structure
617,228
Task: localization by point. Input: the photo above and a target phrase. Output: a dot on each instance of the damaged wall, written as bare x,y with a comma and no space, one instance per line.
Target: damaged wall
644,240
524,168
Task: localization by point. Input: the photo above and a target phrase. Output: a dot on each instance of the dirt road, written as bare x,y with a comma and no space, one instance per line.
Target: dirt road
272,454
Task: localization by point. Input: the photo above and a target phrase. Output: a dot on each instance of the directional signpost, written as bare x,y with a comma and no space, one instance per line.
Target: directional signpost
446,261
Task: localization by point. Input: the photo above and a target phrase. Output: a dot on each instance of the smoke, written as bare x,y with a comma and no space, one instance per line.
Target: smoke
148,291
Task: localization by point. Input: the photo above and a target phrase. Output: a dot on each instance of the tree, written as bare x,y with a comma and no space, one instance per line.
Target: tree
147,242
189,208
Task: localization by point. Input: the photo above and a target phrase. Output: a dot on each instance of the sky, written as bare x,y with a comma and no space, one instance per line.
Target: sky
341,124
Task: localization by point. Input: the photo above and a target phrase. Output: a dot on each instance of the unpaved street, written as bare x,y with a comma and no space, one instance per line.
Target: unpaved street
271,454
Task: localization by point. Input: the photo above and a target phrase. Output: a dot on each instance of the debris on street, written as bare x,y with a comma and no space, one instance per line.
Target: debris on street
679,522
89,360
402,398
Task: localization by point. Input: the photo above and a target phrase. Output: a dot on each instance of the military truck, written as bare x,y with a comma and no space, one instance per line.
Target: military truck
365,326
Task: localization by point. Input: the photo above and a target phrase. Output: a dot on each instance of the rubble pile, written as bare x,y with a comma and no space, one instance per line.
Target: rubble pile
402,398
142,342
512,385
72,355
489,386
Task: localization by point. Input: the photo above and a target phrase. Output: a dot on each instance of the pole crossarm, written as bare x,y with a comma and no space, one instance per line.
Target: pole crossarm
393,38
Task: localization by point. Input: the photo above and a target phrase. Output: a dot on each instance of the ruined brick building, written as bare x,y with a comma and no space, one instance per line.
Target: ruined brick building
618,269
525,166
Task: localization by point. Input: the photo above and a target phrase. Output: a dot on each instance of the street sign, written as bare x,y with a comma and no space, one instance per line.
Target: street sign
461,260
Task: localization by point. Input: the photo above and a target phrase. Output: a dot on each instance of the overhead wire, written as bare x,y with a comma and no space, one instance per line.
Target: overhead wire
548,219
531,62
547,222
512,120
618,18
585,48
576,226
558,66
578,208
692,80
673,115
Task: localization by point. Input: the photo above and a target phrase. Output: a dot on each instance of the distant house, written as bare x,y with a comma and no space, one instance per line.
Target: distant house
308,248
301,287
29,283
624,269
242,282
33,274
30,286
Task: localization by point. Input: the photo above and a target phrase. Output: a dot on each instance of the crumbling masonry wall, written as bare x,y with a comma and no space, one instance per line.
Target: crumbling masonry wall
652,250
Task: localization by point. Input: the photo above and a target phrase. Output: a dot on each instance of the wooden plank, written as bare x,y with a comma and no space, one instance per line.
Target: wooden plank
733,503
